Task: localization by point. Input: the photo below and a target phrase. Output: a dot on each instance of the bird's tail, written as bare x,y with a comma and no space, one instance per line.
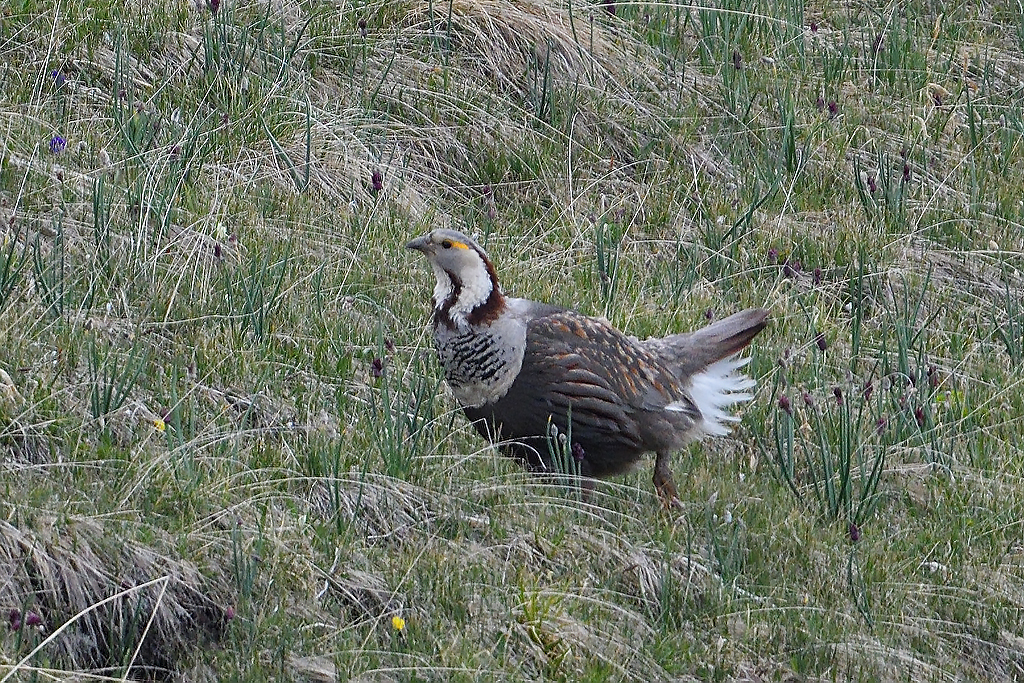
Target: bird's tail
709,358
717,389
692,352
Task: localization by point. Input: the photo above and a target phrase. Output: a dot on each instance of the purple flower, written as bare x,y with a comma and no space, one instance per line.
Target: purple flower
577,452
817,276
709,314
869,389
790,268
376,181
737,60
814,27
773,255
229,613
880,425
820,340
58,78
808,399
872,185
377,368
57,144
854,532
214,6
833,107
838,393
33,619
362,26
785,405
14,619
919,416
906,172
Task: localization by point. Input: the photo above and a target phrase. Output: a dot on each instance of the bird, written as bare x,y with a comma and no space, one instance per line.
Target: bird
523,370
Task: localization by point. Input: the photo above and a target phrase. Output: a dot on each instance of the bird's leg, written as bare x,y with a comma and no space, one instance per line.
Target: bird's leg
663,482
587,486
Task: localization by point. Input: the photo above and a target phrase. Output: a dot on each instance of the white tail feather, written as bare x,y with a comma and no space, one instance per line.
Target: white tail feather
718,388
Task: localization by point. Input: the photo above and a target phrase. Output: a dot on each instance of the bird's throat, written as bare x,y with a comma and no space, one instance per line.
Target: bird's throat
475,299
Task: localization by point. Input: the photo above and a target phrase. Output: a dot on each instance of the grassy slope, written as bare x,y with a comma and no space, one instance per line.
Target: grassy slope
194,290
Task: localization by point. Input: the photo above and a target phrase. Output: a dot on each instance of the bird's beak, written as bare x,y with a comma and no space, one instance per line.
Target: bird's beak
420,244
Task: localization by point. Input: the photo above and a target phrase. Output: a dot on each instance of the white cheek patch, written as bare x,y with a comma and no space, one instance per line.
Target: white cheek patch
476,289
443,288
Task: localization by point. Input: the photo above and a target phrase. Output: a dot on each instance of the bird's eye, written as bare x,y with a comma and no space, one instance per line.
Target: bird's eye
447,244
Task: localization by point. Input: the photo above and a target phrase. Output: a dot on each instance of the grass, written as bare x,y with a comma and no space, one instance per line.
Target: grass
227,453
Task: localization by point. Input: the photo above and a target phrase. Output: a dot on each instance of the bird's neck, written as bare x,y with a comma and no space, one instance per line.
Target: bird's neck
473,299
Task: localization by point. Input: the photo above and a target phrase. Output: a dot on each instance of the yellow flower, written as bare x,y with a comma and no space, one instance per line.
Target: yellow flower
397,623
159,424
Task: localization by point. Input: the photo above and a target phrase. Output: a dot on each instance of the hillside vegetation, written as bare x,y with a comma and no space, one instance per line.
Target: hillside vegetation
226,451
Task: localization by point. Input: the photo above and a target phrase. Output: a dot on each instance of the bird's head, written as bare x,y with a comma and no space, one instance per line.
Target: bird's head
467,288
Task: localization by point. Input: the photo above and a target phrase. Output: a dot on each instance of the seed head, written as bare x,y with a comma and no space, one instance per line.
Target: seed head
785,405
577,452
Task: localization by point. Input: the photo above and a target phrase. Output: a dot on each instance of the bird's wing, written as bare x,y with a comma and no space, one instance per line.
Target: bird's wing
608,381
